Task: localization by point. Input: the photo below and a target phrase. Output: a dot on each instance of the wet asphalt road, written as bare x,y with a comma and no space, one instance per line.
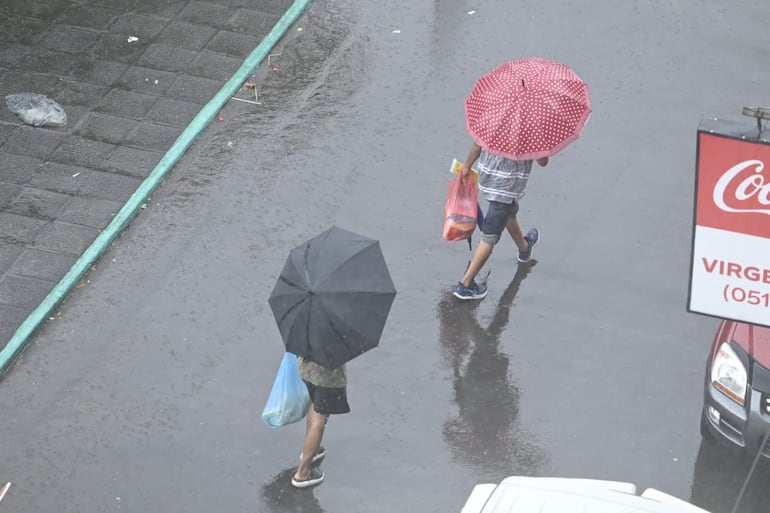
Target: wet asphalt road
144,393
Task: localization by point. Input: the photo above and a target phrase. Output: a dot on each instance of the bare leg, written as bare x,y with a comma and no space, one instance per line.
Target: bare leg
480,257
515,231
316,423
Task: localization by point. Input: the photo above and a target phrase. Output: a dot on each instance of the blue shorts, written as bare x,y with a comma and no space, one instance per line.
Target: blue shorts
496,219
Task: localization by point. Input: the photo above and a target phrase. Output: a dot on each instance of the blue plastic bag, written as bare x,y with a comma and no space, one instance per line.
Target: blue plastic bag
289,400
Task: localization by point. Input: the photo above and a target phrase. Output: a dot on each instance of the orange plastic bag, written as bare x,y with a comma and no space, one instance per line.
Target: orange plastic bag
461,209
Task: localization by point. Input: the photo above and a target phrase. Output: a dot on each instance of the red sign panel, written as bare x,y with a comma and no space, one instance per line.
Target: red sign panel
733,185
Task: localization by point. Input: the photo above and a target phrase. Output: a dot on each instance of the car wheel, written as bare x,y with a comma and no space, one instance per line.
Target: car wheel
705,430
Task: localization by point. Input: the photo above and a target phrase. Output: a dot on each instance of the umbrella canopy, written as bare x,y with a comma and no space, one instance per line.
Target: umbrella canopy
527,109
333,297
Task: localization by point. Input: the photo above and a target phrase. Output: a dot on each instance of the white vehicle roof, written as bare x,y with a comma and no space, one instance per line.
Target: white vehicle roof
519,494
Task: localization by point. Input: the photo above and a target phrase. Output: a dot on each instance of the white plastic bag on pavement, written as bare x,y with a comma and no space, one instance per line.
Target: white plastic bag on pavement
36,109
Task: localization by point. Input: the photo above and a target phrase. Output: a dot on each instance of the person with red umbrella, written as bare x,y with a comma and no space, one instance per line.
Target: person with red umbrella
521,111
503,182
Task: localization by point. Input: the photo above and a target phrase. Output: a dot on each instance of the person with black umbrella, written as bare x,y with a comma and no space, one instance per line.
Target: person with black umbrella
328,396
331,301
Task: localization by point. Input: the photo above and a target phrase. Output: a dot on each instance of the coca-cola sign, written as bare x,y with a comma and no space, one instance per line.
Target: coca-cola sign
733,185
743,188
730,270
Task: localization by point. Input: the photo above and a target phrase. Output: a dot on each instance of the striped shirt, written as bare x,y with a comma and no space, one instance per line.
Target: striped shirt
502,179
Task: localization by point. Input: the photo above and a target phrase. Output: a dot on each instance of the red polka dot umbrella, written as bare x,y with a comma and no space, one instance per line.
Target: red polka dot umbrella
527,109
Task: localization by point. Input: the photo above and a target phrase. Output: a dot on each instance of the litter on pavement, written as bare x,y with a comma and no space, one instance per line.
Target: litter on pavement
36,109
255,101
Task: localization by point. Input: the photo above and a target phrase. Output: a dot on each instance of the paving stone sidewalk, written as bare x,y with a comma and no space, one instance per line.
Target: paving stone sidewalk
126,103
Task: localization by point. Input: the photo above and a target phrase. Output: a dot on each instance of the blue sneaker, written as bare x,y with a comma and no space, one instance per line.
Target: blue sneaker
532,237
474,291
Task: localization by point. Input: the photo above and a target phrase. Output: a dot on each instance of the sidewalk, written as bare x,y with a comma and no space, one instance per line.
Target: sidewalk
126,103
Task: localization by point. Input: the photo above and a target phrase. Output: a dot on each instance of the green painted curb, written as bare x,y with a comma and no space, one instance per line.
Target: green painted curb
97,248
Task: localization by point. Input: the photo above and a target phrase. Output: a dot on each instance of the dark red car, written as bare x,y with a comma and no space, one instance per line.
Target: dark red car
736,405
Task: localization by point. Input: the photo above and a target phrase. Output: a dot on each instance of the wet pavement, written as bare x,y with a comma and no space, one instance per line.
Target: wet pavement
126,103
145,392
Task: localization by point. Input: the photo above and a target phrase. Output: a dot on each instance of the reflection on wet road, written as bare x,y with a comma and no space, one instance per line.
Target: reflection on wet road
720,475
484,433
279,496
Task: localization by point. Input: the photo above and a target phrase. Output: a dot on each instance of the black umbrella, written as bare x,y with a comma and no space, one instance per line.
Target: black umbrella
333,297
